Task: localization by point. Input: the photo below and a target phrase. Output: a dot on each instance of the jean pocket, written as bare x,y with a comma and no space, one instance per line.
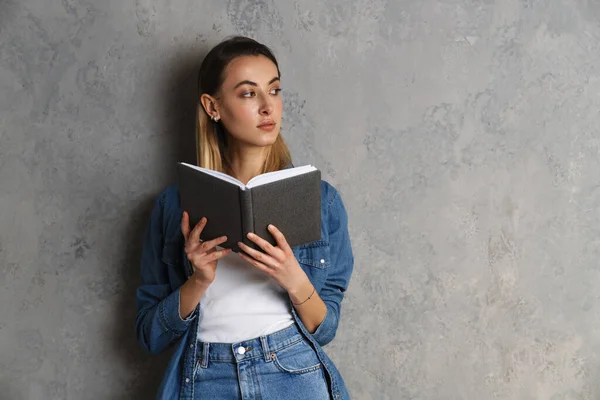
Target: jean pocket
299,358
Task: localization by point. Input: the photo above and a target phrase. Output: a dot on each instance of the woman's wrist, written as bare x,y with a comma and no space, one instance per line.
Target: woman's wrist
190,294
302,292
199,282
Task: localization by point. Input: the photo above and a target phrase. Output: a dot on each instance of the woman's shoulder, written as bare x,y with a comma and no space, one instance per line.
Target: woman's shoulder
329,193
171,193
168,206
168,197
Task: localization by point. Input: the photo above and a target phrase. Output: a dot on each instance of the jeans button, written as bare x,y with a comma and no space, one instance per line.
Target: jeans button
241,350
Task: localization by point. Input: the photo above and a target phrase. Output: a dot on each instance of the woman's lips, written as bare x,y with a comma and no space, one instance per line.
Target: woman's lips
267,127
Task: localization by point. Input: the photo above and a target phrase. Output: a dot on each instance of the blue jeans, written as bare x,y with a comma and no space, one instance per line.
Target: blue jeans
282,365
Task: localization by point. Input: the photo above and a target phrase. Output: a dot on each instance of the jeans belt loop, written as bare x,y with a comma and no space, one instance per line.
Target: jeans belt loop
265,346
205,354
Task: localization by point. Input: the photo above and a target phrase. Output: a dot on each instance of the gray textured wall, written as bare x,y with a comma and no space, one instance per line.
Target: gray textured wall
462,134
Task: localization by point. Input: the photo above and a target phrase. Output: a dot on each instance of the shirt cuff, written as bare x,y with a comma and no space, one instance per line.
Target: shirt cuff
327,328
168,312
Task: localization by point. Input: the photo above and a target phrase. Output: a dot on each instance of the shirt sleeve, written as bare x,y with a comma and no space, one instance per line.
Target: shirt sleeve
340,269
158,323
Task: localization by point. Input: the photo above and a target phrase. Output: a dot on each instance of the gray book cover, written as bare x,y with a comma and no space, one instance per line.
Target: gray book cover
292,204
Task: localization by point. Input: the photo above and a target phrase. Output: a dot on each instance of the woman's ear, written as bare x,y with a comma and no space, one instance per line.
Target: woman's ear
209,104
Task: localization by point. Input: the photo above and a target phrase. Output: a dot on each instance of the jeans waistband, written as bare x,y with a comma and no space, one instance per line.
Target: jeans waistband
261,346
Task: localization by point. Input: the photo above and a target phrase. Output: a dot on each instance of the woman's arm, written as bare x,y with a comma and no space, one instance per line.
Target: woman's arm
321,312
158,322
339,270
308,304
189,296
203,256
165,315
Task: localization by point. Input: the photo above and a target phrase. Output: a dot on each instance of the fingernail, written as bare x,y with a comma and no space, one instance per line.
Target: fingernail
203,220
250,234
271,227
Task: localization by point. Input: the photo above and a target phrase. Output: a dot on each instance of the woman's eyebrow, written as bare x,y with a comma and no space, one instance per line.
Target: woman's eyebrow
247,82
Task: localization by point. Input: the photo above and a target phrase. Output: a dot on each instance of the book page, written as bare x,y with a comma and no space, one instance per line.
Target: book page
216,174
279,175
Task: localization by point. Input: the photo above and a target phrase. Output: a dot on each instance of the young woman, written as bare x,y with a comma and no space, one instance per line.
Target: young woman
247,325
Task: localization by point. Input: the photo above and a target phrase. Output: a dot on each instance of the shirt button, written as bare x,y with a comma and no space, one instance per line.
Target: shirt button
322,261
191,346
187,380
241,350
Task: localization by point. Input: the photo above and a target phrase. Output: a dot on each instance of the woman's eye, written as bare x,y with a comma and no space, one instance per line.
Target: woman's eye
253,94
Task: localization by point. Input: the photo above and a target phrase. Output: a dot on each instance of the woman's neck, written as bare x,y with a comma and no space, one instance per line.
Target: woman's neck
246,163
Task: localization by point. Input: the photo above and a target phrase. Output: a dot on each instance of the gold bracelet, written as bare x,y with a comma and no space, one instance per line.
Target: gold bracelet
311,295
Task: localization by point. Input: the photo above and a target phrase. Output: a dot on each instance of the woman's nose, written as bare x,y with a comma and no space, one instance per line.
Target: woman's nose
267,106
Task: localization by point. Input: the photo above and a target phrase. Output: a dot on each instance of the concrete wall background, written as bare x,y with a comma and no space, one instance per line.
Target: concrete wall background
463,136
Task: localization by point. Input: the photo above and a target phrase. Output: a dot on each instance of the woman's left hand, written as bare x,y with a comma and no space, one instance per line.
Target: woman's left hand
279,261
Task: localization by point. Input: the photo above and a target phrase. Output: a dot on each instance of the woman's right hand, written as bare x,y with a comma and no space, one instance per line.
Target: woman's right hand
202,255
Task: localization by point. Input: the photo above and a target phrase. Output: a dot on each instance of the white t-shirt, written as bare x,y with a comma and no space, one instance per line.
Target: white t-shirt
242,303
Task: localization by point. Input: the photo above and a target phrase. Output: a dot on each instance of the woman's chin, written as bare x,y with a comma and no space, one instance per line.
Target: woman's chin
260,139
267,138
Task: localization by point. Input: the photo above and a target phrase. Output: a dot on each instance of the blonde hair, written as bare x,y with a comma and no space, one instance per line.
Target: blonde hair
211,147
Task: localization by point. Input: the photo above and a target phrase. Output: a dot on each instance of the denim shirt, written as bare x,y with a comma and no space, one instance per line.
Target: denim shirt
328,263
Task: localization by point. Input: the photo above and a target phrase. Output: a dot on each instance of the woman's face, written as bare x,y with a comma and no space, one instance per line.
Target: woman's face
249,104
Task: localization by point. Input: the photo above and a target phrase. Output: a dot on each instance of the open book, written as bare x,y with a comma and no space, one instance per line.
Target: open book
290,199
